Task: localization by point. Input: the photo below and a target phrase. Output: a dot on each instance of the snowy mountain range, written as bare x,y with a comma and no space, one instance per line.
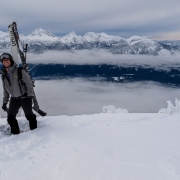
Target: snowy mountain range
42,40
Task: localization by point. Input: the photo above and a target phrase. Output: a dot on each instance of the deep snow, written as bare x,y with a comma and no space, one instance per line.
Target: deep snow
94,147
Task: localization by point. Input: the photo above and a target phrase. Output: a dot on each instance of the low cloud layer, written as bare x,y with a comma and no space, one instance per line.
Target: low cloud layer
78,96
152,18
89,57
95,57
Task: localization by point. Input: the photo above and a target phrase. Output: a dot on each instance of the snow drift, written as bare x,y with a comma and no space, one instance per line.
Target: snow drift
171,109
99,146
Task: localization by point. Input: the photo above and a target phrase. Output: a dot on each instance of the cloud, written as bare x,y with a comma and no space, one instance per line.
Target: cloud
80,96
123,17
98,57
82,57
169,36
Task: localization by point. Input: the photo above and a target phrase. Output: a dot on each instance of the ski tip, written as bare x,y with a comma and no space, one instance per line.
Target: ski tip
39,111
42,113
13,24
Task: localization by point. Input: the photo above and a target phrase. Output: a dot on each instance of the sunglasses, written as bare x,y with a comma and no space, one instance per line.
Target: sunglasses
5,56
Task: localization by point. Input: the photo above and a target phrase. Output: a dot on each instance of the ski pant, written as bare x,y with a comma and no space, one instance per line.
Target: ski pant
26,104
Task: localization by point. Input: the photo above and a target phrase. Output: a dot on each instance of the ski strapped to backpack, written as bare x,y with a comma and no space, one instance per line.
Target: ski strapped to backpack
17,51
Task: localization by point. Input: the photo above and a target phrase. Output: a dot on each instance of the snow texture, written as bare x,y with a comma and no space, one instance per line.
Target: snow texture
111,109
171,109
94,147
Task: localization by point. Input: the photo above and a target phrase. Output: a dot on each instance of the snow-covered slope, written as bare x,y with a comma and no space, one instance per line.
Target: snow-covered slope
41,40
94,147
3,35
172,43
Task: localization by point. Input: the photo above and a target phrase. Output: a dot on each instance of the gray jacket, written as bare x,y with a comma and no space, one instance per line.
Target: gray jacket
14,88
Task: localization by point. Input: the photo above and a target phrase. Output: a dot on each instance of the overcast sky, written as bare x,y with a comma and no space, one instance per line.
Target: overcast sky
156,19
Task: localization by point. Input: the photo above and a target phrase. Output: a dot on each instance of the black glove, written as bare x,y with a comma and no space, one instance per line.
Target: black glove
4,107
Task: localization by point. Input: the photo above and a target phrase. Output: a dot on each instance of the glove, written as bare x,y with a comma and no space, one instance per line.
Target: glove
4,107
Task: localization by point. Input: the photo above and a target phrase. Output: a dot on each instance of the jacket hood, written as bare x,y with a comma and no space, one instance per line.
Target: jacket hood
11,59
10,68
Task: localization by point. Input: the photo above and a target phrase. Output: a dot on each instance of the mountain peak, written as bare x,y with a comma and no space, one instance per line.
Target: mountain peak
137,39
41,32
73,38
71,34
92,37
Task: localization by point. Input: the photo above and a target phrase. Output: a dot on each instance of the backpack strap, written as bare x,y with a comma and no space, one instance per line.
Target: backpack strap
20,76
21,81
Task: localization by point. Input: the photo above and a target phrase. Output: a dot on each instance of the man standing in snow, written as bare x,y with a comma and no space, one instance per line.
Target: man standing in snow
21,93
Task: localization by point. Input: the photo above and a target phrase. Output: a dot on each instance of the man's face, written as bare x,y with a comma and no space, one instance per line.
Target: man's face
6,62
